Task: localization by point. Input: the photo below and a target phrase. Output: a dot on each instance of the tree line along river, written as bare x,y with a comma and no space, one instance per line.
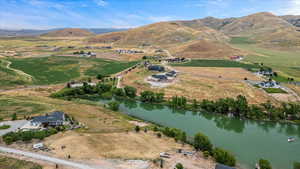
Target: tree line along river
248,140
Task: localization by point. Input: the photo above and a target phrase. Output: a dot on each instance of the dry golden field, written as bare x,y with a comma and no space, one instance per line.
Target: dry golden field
204,83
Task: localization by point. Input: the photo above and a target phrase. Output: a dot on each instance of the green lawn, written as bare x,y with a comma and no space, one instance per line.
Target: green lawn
286,62
217,63
3,127
59,69
241,40
274,90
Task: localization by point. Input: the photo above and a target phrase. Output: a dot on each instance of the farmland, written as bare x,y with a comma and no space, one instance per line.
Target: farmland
217,63
60,69
285,62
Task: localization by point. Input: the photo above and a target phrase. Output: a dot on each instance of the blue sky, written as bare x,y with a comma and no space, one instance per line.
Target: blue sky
44,14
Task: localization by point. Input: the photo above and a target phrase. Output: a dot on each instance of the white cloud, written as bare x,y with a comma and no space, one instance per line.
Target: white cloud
291,7
101,2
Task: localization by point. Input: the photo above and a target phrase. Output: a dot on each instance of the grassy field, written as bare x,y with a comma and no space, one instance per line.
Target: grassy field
287,63
12,163
217,63
9,77
21,106
60,69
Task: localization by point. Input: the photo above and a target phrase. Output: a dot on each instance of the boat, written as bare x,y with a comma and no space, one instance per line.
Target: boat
291,139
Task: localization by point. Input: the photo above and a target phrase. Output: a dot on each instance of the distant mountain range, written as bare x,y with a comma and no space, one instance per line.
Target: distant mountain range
33,32
209,37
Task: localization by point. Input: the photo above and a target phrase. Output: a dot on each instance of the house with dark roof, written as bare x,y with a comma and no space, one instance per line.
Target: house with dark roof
156,68
54,119
171,74
221,166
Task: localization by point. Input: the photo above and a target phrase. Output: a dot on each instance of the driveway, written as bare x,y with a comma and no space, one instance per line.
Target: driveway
14,125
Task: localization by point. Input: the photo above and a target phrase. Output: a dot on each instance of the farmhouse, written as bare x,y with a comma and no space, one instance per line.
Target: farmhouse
158,78
156,68
123,51
39,122
176,60
75,85
171,74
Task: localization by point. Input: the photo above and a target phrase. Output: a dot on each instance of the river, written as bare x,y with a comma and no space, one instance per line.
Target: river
248,140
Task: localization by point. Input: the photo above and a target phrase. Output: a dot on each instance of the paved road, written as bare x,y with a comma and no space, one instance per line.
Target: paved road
14,125
47,158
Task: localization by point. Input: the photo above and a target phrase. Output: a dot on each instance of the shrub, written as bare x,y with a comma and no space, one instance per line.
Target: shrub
119,92
206,154
202,142
264,164
8,140
137,129
158,135
296,165
114,106
14,117
179,166
224,157
130,91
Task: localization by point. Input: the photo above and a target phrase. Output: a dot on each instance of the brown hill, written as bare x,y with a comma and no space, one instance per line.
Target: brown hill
68,32
205,49
180,40
163,34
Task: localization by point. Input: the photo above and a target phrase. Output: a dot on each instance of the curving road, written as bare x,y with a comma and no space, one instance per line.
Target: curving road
47,158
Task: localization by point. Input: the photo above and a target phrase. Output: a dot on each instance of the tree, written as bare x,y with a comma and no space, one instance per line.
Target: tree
296,165
130,91
100,76
114,106
137,129
14,117
224,157
264,164
119,92
202,142
179,166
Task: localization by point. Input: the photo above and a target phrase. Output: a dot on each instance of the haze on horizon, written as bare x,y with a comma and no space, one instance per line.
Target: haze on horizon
47,14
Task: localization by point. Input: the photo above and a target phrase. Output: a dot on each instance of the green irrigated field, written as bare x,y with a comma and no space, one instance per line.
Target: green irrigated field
61,69
108,67
286,62
12,163
217,63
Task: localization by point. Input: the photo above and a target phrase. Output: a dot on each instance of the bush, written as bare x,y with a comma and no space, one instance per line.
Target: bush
14,117
264,164
137,129
179,166
158,135
296,165
8,140
206,154
202,142
114,106
130,91
224,157
119,92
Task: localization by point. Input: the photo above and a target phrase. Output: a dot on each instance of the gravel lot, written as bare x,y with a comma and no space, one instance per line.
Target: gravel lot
14,125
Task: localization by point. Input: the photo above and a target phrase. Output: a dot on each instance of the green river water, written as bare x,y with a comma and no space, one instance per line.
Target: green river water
248,140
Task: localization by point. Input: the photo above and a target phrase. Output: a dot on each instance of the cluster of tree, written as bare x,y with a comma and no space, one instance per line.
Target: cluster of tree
99,89
152,97
177,134
11,137
264,164
240,107
114,106
202,143
178,102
